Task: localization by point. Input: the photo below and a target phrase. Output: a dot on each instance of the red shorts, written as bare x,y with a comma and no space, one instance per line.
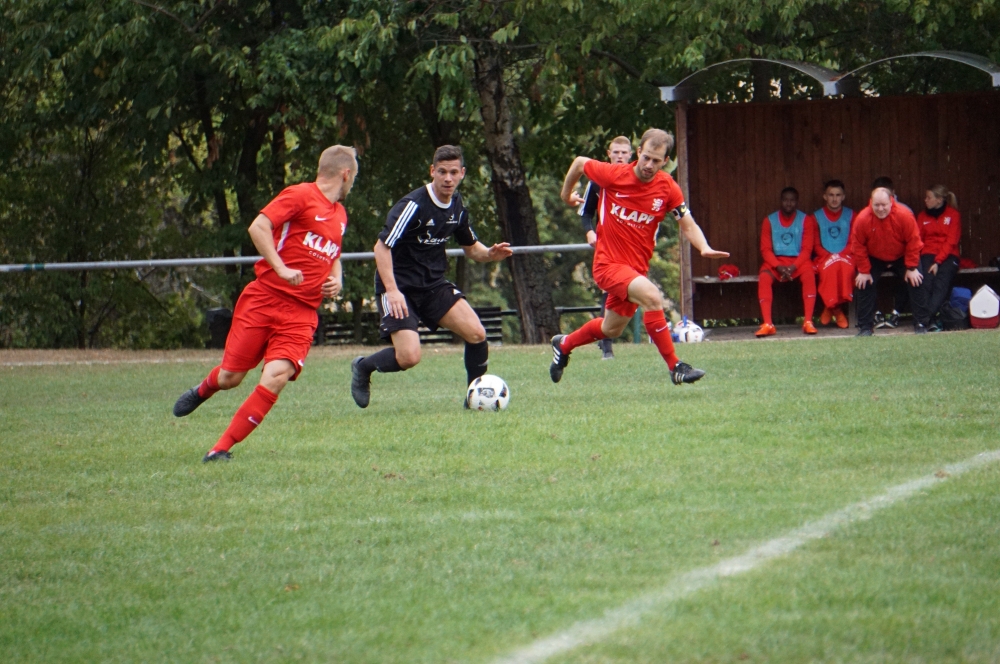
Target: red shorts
613,279
268,326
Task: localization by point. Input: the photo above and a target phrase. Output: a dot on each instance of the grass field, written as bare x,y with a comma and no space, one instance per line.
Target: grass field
414,531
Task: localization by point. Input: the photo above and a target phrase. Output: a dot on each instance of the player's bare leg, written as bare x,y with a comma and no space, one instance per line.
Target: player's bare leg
402,355
647,295
217,379
463,321
251,413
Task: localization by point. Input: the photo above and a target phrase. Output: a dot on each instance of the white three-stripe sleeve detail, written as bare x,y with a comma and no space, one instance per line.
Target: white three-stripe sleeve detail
400,226
586,195
284,234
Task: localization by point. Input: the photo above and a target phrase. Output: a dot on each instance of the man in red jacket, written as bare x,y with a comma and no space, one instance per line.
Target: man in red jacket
886,238
786,245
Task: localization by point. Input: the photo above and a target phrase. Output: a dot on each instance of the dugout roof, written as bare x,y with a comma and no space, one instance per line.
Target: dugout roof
735,158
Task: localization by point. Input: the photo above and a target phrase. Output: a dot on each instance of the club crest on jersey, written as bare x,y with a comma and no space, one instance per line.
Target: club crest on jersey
632,216
657,204
322,245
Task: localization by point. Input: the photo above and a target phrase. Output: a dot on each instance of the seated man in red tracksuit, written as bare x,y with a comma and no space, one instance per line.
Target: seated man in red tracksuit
786,244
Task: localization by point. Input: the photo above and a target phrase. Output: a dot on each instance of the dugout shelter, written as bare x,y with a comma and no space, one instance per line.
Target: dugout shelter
735,158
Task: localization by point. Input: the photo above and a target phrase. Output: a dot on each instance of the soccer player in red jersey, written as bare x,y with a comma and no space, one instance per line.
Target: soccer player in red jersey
635,198
299,236
619,152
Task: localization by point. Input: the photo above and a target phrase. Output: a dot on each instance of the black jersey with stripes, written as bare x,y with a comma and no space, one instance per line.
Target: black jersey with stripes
416,230
591,196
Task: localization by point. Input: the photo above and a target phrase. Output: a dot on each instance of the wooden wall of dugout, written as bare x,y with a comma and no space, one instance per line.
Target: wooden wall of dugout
740,157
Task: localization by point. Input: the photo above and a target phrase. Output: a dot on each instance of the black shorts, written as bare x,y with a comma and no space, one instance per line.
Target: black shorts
425,307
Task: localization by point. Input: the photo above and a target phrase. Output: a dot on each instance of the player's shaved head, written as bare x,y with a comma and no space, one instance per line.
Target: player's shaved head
335,159
657,138
620,150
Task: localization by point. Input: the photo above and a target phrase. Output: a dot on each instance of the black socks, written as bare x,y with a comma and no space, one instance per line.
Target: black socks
383,361
477,357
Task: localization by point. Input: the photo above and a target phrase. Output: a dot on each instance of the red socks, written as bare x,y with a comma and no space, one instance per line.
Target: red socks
808,280
765,295
659,332
589,333
656,326
210,385
246,419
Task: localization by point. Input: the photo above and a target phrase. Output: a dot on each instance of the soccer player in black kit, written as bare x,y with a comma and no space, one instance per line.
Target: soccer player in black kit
410,287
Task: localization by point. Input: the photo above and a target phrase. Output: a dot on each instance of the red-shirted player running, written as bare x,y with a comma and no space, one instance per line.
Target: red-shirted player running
299,237
635,198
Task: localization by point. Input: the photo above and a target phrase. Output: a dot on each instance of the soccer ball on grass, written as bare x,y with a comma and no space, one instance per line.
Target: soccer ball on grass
488,392
687,332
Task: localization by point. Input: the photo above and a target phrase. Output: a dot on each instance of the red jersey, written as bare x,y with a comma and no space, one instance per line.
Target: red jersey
887,239
630,212
942,234
308,233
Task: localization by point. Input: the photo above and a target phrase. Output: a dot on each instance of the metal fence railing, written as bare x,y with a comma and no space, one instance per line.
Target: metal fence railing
242,260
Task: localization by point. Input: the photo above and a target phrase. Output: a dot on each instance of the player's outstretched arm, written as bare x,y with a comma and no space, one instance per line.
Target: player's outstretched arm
481,254
573,175
692,231
394,298
262,234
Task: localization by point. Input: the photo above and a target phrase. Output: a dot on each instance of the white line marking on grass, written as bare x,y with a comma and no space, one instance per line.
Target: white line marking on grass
683,585
46,363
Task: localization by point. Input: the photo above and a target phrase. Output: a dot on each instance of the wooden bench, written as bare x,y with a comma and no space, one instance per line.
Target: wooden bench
330,332
744,300
745,278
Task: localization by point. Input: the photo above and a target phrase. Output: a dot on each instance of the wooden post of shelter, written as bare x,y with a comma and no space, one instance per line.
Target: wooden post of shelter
683,179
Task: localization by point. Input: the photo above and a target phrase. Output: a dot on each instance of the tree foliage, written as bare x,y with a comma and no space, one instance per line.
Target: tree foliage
149,128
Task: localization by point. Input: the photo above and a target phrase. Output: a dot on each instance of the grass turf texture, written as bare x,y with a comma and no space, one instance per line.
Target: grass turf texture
414,531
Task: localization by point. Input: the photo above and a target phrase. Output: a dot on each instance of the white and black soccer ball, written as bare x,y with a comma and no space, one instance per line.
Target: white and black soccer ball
688,332
488,392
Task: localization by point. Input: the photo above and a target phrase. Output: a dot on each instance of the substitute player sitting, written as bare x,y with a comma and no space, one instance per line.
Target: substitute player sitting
786,245
410,287
834,265
635,198
298,235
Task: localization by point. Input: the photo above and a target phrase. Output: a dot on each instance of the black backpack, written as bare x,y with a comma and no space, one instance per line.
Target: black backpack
953,318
